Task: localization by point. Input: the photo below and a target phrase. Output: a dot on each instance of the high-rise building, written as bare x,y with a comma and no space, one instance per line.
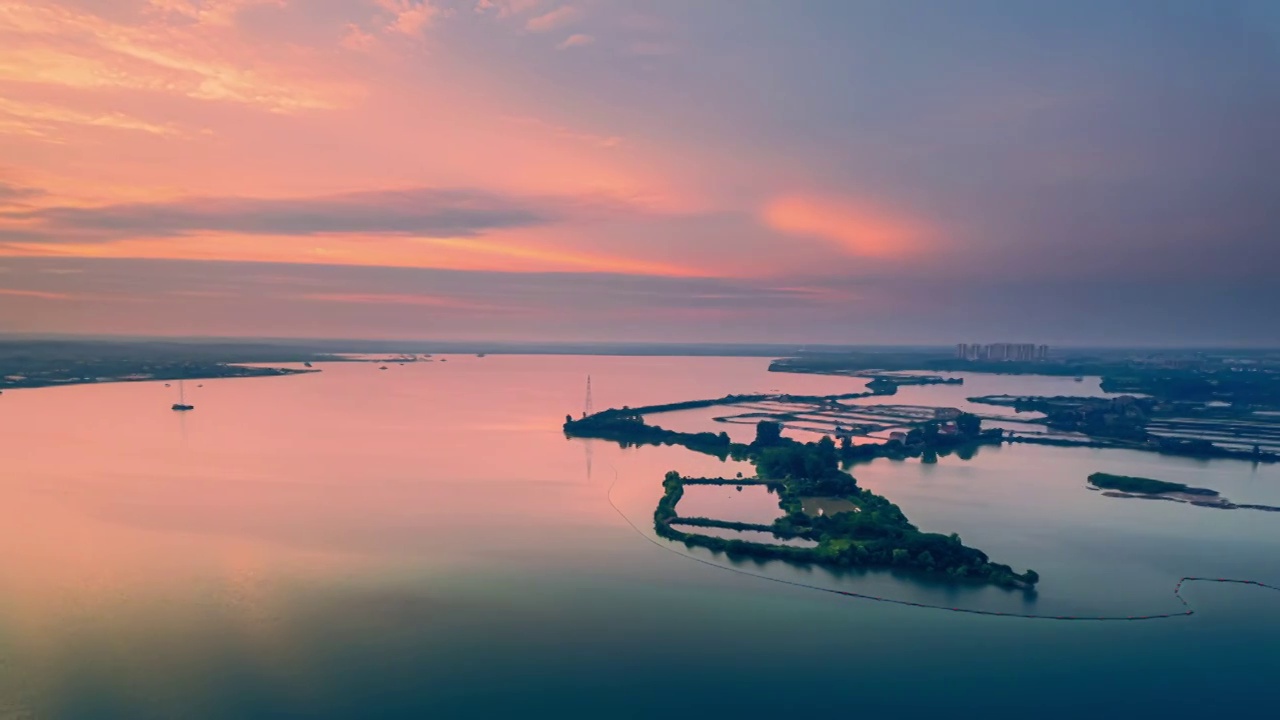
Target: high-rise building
1002,352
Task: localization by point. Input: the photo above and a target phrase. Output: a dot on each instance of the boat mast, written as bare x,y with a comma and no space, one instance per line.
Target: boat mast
182,394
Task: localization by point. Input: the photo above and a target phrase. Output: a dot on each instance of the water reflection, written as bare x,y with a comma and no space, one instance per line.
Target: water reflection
754,536
742,503
321,543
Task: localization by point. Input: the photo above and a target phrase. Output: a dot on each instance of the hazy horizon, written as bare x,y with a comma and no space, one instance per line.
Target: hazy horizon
498,346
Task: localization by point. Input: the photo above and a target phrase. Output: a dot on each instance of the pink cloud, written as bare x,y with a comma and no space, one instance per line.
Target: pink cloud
208,12
856,226
357,39
556,18
575,40
410,17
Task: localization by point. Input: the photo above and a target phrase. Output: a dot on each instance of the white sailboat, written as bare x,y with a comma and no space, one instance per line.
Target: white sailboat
182,399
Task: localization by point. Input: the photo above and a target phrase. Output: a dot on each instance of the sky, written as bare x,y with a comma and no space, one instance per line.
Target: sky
841,171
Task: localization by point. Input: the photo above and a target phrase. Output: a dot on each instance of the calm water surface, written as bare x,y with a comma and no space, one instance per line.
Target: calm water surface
424,541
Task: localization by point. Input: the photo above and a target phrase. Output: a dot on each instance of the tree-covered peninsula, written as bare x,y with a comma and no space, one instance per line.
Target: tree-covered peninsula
875,534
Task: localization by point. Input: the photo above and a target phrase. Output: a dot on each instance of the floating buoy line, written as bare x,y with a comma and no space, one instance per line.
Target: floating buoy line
1177,589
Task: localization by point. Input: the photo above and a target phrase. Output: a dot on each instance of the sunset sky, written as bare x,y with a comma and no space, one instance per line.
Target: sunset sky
844,171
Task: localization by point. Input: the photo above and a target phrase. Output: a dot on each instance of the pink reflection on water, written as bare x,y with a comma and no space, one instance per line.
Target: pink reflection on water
109,495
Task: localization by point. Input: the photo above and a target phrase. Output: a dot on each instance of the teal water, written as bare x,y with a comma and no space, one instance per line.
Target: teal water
425,542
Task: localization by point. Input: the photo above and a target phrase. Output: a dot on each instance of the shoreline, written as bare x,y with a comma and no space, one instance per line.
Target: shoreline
249,372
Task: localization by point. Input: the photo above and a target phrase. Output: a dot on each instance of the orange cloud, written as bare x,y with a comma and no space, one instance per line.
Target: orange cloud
34,294
436,301
487,254
855,226
44,121
559,259
63,47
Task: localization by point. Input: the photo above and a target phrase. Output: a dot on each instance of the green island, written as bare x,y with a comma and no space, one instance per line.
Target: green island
1147,486
874,534
1125,486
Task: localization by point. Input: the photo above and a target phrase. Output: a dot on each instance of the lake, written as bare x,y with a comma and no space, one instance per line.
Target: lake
425,541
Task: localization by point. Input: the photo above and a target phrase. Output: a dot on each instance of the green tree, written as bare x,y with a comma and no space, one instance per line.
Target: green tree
768,433
929,431
969,424
825,458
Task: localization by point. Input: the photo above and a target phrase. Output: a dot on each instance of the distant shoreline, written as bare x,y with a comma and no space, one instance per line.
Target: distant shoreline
223,372
296,346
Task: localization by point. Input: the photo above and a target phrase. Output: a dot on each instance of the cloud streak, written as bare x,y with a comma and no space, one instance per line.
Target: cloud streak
423,212
576,40
44,121
10,193
36,294
401,299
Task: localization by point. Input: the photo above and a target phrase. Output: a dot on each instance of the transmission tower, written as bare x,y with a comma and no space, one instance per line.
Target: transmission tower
587,407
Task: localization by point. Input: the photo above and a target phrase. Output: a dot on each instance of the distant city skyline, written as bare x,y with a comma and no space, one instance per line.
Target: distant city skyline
818,171
1002,351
